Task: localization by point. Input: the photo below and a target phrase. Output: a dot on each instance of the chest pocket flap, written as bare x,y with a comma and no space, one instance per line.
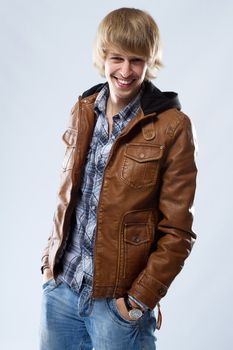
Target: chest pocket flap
141,164
144,153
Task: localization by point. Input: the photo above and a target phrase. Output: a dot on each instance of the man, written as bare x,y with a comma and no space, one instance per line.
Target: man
123,224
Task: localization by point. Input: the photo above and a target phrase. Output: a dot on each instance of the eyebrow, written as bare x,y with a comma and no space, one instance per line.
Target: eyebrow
120,55
114,54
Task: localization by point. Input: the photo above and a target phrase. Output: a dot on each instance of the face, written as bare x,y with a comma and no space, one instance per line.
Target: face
125,74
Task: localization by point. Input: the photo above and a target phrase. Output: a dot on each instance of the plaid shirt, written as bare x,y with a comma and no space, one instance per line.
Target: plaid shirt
78,256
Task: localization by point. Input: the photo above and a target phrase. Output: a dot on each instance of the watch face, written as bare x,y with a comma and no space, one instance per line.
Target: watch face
135,314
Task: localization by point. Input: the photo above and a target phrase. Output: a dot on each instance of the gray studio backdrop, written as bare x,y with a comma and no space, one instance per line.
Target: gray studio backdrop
45,64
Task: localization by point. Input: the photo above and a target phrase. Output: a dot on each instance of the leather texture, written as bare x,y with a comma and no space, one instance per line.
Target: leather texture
145,212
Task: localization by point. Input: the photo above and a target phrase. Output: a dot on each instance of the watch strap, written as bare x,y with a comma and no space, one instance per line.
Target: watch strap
127,303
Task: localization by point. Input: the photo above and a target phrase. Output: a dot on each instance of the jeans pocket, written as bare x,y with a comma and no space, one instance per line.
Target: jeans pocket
49,285
116,315
45,284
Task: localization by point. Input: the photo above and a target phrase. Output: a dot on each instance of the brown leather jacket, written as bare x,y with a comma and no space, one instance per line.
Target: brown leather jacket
144,217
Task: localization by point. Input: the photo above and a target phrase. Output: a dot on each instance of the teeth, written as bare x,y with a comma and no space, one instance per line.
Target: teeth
125,82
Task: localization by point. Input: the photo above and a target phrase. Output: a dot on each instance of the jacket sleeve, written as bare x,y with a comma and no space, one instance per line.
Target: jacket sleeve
45,253
174,230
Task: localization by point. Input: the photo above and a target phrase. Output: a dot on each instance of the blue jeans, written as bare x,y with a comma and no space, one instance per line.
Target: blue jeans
76,322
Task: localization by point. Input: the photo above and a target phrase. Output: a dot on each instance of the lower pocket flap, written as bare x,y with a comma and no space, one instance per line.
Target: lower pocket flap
136,233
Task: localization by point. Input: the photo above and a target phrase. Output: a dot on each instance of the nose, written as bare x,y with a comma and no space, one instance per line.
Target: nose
126,69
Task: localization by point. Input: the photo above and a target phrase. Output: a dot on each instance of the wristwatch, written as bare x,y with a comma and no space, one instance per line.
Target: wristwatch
134,313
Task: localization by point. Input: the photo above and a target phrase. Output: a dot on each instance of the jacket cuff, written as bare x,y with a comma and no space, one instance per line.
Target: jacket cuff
45,263
43,268
148,290
45,259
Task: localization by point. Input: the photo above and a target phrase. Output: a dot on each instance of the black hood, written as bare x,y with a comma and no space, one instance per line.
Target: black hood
153,100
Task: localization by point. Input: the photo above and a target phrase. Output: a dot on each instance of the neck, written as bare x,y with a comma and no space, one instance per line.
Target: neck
115,104
114,107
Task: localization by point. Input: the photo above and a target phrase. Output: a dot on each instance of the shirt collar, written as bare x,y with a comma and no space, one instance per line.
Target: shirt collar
101,99
128,110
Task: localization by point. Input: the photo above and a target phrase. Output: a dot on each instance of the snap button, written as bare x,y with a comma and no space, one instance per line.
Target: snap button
162,291
141,155
136,239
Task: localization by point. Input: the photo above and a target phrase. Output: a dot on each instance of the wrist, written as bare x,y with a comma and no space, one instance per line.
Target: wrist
137,303
135,312
133,304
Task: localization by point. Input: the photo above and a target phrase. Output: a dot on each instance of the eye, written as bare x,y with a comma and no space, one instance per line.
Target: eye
137,60
116,58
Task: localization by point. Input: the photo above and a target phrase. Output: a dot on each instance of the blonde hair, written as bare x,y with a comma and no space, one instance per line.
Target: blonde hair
132,31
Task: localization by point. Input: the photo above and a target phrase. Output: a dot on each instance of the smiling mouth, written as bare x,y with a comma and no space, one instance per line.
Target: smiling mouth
124,83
